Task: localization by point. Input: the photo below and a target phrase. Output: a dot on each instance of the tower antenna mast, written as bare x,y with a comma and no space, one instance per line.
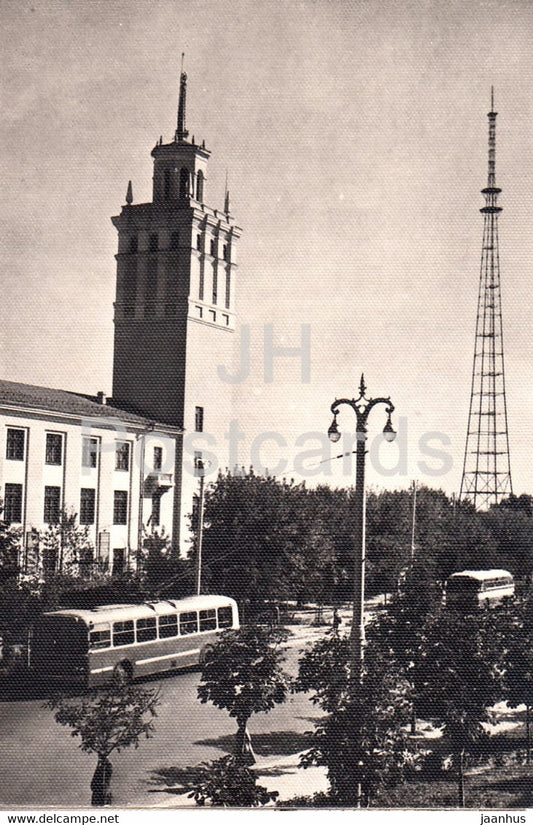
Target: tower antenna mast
486,475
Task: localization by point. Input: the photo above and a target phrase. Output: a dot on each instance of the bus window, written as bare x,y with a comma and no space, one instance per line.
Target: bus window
123,633
100,636
168,626
225,616
208,620
188,623
146,629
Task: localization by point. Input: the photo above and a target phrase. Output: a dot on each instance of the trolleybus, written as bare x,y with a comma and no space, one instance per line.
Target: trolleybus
471,589
128,641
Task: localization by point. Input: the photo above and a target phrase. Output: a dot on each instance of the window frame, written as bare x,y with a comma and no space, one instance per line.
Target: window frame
120,507
49,503
199,419
86,451
53,440
88,504
13,504
122,456
16,447
158,458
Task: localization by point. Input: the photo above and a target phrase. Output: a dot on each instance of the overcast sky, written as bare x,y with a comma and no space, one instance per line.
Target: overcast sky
355,139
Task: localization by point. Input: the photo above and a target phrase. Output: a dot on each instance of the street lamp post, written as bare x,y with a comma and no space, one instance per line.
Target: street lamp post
361,407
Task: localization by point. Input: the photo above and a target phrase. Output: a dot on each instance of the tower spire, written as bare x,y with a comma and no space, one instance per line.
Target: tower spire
486,468
226,196
181,131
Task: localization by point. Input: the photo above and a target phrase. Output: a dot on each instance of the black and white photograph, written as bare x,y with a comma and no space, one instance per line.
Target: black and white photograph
266,436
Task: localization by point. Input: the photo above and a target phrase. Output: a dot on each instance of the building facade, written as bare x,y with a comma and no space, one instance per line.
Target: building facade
67,453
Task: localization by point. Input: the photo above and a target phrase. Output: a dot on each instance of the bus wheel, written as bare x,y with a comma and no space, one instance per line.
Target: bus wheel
122,673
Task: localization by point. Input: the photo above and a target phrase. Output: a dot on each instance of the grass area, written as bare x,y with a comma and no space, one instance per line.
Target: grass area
495,787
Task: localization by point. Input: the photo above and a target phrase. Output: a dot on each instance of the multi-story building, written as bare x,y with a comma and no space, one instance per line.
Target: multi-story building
68,453
134,462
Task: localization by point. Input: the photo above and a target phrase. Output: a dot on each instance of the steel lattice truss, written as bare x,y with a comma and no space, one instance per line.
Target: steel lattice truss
486,469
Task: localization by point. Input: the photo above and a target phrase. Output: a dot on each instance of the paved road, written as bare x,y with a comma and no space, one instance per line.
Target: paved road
41,764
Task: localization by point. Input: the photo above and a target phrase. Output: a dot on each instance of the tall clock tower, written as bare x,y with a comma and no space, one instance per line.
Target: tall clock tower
175,310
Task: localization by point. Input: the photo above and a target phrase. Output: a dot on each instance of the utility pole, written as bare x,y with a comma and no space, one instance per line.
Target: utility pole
199,535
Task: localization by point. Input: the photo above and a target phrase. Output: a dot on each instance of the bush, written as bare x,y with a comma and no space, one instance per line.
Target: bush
228,783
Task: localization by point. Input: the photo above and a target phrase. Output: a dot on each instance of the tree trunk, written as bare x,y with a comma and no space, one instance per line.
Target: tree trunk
413,719
528,734
243,743
461,777
101,795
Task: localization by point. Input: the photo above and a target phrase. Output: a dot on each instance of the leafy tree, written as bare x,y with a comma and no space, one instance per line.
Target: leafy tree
400,630
360,740
458,677
228,783
265,539
160,569
110,721
323,669
518,663
68,547
9,552
242,674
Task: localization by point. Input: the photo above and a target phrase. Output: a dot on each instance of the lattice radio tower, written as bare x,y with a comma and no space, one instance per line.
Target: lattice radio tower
486,469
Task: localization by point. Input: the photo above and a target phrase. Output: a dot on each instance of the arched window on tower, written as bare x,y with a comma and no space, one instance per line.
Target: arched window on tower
200,186
166,184
184,183
228,288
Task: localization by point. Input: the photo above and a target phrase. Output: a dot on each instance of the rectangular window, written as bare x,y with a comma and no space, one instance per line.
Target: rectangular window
158,458
156,510
201,285
54,448
215,285
12,504
198,463
123,633
89,452
146,629
52,504
225,616
199,419
208,619
122,455
120,507
87,505
213,247
133,244
188,623
175,240
154,242
228,287
100,636
168,626
199,242
15,444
